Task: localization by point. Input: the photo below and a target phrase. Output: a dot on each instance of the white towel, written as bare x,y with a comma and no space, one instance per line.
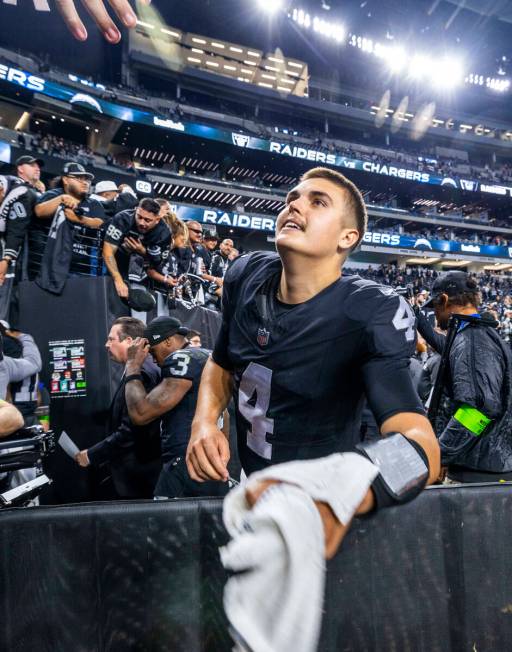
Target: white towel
275,605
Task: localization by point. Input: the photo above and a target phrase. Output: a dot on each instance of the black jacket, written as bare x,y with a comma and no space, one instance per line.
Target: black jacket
124,437
479,374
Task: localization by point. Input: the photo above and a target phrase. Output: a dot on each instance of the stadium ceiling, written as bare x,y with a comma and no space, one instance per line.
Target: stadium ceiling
500,9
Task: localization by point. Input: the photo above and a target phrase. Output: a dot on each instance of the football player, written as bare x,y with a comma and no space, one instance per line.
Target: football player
173,401
299,348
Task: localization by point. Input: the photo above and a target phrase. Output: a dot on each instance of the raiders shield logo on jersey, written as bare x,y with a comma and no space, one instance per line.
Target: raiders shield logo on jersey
263,335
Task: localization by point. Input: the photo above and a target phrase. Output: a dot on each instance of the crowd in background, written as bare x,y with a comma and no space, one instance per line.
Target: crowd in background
439,233
495,288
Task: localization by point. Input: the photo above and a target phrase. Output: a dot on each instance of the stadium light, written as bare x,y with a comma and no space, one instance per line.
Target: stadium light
270,6
447,73
329,29
419,67
395,58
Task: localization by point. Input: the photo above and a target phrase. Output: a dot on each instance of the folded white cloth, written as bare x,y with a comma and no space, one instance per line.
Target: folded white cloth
275,605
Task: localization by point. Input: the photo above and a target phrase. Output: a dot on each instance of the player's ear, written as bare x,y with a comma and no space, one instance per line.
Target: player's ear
444,300
348,238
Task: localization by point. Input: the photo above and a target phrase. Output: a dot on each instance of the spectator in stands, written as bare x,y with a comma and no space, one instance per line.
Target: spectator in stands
17,370
16,209
474,424
133,452
220,261
127,198
67,201
210,241
173,401
194,338
134,232
105,191
200,255
506,327
233,254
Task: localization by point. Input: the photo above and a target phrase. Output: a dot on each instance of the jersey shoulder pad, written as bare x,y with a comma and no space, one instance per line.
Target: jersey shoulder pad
185,364
366,299
250,263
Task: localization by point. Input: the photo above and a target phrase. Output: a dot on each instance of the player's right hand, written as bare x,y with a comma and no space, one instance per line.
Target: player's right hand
121,288
207,453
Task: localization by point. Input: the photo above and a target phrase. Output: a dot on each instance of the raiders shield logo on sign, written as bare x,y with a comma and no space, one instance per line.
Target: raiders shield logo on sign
263,335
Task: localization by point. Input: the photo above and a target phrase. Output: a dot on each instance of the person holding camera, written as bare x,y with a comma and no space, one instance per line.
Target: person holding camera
139,232
67,203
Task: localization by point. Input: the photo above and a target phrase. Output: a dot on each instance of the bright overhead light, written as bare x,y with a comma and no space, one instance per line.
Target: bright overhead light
395,58
270,6
447,72
420,67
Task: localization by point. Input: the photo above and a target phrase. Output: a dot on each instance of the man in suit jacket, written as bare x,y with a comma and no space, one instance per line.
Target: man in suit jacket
132,451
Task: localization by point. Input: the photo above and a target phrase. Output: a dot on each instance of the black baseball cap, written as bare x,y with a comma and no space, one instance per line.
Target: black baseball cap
210,235
28,160
76,170
450,283
140,300
161,328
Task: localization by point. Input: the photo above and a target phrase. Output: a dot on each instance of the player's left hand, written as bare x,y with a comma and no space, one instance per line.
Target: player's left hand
334,531
137,353
135,246
96,9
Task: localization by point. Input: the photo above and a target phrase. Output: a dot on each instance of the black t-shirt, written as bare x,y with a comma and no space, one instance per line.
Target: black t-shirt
219,265
86,242
301,373
123,225
185,364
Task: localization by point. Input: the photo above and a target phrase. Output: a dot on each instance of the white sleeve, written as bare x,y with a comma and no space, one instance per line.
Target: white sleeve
19,368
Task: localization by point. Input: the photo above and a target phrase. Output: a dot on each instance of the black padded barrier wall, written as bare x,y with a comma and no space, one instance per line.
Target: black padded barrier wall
432,576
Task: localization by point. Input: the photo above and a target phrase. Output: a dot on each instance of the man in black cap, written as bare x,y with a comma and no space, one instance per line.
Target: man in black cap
474,418
69,200
173,401
16,208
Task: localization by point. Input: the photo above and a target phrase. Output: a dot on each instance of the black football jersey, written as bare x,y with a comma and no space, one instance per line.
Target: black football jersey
168,266
16,209
86,241
123,225
301,372
185,364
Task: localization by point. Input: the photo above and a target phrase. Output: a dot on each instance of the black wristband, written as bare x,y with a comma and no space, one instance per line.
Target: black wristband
134,377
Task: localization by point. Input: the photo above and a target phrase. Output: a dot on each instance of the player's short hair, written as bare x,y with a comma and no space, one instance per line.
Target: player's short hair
129,327
149,205
356,200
